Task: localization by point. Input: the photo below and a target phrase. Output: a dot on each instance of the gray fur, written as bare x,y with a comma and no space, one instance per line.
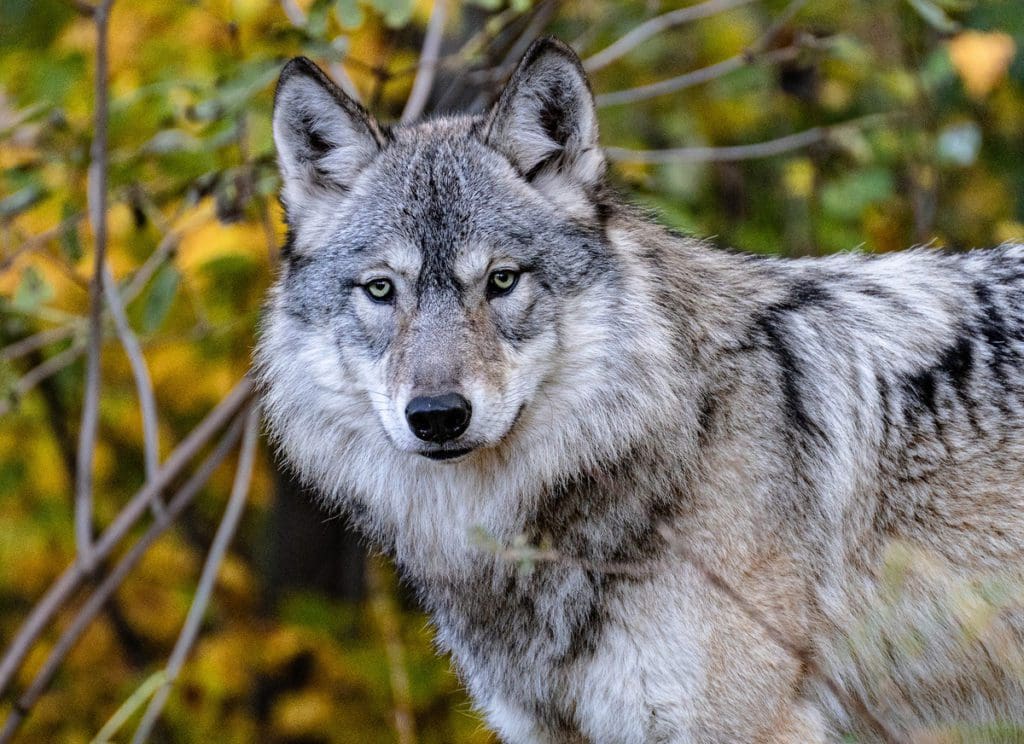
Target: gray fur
840,439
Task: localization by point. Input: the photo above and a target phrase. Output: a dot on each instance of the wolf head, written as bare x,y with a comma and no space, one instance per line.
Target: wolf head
434,295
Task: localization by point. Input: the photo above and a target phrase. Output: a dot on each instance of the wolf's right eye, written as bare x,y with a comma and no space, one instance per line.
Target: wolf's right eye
379,290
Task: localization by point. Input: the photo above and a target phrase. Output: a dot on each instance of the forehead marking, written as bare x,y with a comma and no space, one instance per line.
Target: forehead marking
402,258
472,261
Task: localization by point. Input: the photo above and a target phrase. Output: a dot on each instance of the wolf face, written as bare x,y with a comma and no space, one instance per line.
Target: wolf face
436,259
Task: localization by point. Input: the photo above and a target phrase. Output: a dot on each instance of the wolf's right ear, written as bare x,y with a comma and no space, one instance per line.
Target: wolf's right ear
323,137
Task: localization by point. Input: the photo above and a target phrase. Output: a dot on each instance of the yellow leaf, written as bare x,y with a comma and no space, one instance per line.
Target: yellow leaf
981,59
303,714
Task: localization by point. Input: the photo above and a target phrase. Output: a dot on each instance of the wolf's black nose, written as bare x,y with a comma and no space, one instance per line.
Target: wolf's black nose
438,418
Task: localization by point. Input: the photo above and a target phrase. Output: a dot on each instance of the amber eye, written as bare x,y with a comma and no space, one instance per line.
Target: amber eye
501,282
380,290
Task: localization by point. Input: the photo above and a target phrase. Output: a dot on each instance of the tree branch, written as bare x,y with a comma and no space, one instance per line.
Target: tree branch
694,77
765,149
225,533
27,382
94,605
98,216
659,24
143,384
36,341
756,52
36,242
69,581
424,81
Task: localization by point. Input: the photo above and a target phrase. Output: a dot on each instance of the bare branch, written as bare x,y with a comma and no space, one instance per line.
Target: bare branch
296,16
424,80
98,216
756,52
39,241
82,7
693,78
36,375
344,81
659,24
143,384
543,12
94,605
164,250
36,341
765,149
69,581
225,533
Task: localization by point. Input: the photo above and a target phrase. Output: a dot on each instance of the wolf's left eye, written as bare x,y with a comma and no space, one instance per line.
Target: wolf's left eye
501,282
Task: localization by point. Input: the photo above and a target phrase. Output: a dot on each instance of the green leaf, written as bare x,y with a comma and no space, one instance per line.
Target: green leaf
847,197
350,13
32,291
934,15
160,298
396,13
21,200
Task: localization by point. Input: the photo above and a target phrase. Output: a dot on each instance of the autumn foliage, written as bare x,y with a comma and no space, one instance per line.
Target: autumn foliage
909,126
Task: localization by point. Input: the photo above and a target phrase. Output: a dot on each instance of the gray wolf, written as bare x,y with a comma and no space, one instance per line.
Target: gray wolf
472,335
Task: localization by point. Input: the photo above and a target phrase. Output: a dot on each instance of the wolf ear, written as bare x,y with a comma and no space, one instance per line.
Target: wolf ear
323,137
545,121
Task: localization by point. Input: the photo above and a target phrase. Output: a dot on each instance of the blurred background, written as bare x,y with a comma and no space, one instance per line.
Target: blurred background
794,128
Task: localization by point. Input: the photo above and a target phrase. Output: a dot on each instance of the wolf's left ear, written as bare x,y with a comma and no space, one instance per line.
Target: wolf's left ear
545,121
323,137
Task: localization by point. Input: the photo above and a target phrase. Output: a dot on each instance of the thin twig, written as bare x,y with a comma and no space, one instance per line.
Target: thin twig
41,240
694,77
659,24
756,52
98,216
36,341
766,149
143,383
384,609
94,605
69,581
27,382
164,249
82,7
221,541
424,81
53,365
543,12
296,15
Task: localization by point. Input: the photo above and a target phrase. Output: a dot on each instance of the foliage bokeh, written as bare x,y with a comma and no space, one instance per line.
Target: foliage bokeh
935,91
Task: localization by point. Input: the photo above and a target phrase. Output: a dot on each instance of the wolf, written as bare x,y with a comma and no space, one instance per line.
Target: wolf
648,490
